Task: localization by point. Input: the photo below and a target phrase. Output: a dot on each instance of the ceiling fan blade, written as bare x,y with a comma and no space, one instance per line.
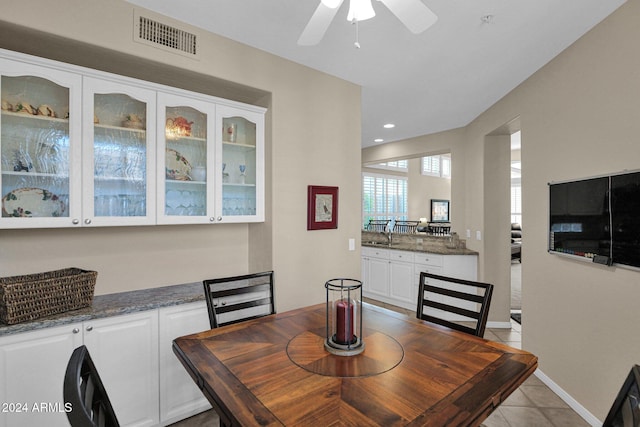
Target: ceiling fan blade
413,13
318,24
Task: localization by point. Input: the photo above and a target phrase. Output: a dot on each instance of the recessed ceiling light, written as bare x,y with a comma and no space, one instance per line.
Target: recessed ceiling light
378,140
389,126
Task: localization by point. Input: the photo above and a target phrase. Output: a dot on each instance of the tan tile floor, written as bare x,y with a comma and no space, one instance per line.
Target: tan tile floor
533,404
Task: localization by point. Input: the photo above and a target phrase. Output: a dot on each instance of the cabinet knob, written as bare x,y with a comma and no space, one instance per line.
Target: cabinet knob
89,328
224,303
219,218
76,331
212,219
87,221
75,221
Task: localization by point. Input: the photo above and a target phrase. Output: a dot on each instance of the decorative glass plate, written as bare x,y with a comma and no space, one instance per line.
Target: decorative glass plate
32,202
177,166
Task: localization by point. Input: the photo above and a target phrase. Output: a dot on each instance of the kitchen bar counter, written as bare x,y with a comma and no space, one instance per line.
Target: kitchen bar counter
424,247
115,305
414,243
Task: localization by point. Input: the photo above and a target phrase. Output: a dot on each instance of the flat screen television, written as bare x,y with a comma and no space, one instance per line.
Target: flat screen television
597,218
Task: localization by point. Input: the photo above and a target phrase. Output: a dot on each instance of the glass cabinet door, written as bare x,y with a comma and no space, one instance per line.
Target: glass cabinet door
119,154
185,159
39,146
241,165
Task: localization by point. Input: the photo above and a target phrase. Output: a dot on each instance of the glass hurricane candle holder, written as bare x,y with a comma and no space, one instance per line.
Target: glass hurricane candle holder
344,317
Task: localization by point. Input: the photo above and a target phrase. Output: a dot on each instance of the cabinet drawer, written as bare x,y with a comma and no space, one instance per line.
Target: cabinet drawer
435,260
401,256
375,253
417,269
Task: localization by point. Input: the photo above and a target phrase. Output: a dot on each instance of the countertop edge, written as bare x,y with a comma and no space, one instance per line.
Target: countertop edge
423,249
115,304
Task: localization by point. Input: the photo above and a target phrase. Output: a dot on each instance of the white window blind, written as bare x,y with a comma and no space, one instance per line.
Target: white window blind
516,203
383,197
398,165
437,166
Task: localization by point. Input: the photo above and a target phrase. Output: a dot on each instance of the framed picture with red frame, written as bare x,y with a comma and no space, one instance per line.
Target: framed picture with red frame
322,207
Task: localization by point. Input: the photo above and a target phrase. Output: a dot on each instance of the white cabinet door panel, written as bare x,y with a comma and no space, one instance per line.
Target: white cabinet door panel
32,368
125,351
179,395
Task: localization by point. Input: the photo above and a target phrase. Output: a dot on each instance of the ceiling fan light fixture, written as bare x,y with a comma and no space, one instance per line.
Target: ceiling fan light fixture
331,4
360,10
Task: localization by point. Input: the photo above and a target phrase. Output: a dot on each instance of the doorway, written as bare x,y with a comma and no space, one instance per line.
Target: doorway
516,227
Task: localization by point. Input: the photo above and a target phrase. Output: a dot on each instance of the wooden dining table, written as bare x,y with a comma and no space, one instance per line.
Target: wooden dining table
275,371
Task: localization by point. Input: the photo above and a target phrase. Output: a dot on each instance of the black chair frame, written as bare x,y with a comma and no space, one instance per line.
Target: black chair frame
625,410
378,225
479,316
246,284
408,227
84,392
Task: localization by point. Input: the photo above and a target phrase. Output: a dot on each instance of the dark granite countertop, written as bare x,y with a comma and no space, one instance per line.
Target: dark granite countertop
114,305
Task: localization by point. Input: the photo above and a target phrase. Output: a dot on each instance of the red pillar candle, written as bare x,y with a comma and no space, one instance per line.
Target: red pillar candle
344,322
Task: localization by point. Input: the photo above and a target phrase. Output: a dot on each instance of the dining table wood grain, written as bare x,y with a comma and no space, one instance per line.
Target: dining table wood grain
274,371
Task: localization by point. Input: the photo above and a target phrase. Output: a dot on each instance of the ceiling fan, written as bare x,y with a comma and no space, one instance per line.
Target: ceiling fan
412,13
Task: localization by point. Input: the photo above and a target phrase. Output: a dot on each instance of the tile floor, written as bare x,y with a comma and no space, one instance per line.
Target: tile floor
533,404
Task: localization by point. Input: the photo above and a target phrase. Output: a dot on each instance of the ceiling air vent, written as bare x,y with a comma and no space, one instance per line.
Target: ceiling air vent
166,37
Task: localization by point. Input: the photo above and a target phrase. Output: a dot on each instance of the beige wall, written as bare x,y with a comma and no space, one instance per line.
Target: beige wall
444,142
420,188
423,188
579,118
307,109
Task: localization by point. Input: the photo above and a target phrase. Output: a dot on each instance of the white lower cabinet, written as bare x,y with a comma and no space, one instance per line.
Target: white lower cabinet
375,273
401,283
125,351
143,378
179,396
392,276
32,367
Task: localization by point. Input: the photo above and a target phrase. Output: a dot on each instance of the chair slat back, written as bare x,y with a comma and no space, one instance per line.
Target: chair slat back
405,227
377,225
459,304
239,298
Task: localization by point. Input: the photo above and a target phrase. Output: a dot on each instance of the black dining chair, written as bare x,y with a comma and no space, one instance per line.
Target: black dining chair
377,225
625,410
85,394
408,227
239,298
455,303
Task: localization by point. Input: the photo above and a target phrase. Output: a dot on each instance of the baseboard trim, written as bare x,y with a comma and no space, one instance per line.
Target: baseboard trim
566,397
499,325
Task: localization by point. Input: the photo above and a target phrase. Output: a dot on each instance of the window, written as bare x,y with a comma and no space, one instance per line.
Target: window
398,165
439,166
516,203
383,197
516,192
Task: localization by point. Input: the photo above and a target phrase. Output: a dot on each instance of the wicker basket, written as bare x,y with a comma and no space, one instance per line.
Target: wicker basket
29,297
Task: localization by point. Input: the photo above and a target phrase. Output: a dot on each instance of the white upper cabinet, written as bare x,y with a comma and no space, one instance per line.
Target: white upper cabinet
119,153
82,148
39,146
186,149
240,160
